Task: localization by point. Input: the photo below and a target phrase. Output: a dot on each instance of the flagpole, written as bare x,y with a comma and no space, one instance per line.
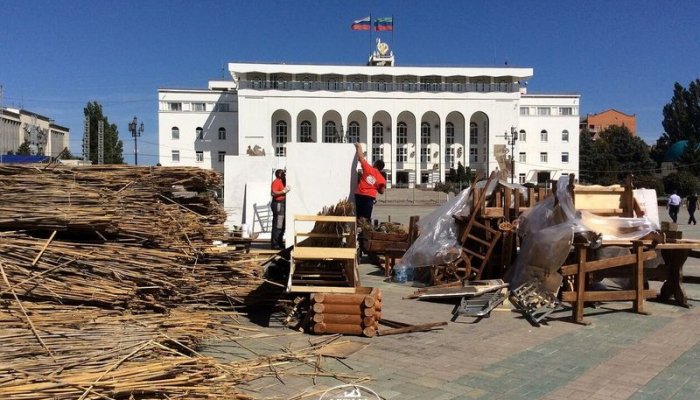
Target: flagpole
392,30
370,34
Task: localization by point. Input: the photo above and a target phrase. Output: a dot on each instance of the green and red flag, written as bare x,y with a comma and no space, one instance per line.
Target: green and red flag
384,24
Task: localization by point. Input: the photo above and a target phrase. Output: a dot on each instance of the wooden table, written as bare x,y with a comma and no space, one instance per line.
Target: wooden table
675,256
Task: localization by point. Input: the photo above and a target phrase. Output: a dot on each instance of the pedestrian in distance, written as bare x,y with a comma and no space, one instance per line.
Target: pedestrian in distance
674,205
278,191
372,182
692,204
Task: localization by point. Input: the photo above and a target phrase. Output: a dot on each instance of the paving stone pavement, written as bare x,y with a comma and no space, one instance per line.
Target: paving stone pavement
620,355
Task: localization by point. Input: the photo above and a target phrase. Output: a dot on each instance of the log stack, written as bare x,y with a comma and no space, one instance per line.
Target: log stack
347,313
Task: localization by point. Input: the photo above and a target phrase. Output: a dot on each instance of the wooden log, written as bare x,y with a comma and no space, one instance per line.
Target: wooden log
411,328
343,309
347,329
341,298
343,319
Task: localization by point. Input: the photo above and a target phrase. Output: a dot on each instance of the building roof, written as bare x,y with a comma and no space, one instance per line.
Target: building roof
238,68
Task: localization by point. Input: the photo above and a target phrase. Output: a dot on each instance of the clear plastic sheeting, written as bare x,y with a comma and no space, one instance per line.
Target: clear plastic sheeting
437,242
541,255
547,232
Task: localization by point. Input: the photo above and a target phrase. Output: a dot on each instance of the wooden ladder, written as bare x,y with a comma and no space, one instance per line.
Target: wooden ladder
478,239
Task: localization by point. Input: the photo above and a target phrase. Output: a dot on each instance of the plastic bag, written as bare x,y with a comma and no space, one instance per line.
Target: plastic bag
437,242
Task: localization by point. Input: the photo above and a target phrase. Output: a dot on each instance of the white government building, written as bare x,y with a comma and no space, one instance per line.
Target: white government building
421,121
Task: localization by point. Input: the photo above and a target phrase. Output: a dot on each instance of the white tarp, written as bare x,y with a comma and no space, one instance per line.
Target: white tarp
239,171
319,175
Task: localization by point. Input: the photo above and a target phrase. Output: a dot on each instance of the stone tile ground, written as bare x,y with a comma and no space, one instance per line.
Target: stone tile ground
621,355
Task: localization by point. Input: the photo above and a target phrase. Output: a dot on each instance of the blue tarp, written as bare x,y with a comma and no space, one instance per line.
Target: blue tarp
20,159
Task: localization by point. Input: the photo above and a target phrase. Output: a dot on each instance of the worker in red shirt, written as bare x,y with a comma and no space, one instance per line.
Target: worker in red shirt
371,182
278,191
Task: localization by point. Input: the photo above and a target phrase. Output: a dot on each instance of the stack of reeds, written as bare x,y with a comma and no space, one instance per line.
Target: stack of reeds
347,313
106,290
333,231
172,207
123,276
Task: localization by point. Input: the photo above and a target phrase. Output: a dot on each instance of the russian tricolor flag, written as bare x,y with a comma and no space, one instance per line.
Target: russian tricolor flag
363,24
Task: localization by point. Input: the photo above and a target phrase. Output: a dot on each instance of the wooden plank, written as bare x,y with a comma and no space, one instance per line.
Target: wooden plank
606,295
411,328
341,349
322,235
606,263
323,253
315,289
678,246
324,218
329,298
609,190
460,292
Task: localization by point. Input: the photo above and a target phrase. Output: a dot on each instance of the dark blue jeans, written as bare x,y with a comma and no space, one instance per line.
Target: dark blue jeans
363,207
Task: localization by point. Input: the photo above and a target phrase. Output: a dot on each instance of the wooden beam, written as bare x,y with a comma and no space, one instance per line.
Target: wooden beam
606,263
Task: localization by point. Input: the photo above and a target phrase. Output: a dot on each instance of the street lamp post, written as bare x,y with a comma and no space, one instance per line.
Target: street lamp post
511,138
136,131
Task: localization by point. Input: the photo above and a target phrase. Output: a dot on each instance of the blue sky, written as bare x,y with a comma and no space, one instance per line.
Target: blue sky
55,56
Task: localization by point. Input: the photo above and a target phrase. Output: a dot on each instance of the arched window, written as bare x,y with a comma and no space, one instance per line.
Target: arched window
281,132
425,133
473,133
222,133
522,137
565,136
175,132
543,135
200,133
354,132
305,132
401,133
449,133
377,133
330,133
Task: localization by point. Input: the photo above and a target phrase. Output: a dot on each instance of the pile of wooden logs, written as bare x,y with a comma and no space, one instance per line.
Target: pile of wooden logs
346,313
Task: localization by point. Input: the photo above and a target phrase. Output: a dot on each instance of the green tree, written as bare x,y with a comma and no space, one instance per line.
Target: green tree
596,165
613,156
682,182
630,152
451,176
681,118
689,159
24,149
113,147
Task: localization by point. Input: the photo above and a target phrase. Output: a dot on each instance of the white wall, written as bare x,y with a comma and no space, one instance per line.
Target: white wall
247,177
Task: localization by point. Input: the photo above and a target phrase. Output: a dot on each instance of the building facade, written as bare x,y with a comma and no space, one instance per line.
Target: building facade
596,123
198,127
41,133
421,121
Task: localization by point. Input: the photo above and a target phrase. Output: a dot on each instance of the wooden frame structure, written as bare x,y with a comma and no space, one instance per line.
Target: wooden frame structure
580,270
320,268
